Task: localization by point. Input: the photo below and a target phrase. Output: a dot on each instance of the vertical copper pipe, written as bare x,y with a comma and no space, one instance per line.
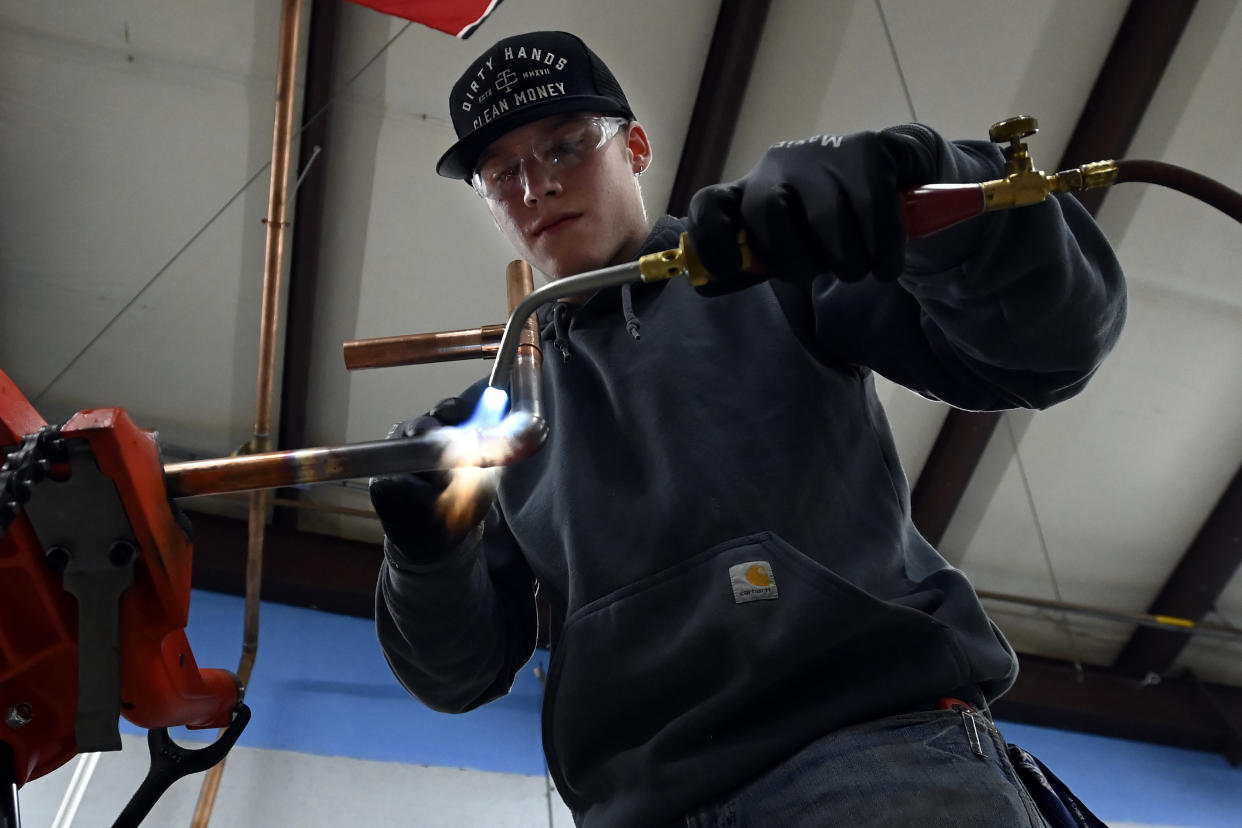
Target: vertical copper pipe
273,269
525,391
520,281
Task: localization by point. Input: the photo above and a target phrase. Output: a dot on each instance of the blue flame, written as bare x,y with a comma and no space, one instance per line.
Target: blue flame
490,409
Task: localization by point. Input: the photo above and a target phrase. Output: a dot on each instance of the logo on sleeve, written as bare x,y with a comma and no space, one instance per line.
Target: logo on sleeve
753,581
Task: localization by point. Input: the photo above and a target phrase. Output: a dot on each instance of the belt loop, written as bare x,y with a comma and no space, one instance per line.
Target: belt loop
969,724
972,730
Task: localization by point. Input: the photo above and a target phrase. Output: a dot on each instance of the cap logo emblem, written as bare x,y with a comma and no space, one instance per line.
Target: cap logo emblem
505,79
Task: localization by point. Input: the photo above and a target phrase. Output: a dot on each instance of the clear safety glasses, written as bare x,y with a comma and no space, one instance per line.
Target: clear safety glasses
561,148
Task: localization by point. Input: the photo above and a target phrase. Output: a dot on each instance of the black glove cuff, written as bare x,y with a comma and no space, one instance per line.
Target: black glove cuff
425,563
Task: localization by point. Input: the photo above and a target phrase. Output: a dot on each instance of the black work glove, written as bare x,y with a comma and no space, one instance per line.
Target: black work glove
406,503
825,204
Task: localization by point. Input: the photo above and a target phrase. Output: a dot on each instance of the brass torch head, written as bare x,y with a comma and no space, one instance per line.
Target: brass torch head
666,264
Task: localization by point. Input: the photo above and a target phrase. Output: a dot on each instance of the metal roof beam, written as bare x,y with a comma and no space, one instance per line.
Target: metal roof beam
726,73
1194,586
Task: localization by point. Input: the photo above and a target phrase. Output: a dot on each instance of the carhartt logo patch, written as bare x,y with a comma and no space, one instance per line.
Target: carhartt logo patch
753,581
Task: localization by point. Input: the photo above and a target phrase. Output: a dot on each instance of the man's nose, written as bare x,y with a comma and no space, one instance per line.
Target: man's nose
538,181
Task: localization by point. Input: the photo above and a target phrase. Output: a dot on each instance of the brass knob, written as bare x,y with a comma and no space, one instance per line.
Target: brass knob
1017,159
1013,129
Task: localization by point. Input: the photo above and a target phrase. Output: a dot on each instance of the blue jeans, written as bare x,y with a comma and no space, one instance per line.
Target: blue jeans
926,769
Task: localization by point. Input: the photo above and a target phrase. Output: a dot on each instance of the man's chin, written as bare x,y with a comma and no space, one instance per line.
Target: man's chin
562,268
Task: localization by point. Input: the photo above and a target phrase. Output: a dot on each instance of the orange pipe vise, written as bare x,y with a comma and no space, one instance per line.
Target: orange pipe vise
94,591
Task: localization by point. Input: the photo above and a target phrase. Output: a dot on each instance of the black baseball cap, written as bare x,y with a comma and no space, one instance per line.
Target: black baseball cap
522,79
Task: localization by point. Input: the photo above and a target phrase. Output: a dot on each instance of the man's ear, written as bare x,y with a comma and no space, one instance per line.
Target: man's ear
637,148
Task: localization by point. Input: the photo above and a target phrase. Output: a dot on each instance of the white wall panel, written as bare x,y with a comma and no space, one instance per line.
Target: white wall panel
970,63
216,38
821,67
122,163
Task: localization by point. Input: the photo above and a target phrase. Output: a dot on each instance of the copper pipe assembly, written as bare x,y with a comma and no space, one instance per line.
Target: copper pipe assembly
518,435
518,362
273,268
522,432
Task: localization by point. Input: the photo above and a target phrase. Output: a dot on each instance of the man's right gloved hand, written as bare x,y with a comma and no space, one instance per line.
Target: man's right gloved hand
406,503
827,204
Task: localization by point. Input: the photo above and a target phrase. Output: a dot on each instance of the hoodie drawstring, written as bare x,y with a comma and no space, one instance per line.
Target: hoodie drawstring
560,315
561,312
627,307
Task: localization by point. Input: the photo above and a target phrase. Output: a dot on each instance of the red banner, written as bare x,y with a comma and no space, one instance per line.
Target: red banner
456,17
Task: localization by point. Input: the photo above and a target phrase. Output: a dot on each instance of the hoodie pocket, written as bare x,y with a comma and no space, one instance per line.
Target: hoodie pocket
696,678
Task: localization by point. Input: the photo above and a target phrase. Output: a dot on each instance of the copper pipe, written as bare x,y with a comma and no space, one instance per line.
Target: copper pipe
525,387
502,445
251,472
273,268
207,795
417,349
519,283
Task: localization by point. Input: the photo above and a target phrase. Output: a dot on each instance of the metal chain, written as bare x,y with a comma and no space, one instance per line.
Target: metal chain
25,467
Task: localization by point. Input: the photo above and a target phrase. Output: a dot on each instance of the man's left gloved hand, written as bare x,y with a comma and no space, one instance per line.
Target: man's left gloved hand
406,504
825,204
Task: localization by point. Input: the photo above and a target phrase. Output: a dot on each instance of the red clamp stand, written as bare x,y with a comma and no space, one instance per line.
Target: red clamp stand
94,593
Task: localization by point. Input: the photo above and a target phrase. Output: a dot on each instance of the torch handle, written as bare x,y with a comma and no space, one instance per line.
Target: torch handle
933,207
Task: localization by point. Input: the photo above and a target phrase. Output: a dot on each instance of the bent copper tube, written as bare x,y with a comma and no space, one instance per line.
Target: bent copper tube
569,286
517,436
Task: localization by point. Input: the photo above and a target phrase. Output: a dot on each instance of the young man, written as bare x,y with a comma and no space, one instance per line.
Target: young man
746,628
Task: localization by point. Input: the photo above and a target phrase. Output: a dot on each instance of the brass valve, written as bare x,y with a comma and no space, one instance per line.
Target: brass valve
1013,130
1024,184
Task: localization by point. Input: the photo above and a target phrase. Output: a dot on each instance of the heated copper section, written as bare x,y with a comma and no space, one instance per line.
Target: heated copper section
278,469
417,349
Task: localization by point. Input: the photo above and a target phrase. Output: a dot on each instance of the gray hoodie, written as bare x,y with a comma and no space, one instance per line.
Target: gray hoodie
719,520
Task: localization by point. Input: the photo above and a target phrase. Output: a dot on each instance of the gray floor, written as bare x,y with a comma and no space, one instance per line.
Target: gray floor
281,788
